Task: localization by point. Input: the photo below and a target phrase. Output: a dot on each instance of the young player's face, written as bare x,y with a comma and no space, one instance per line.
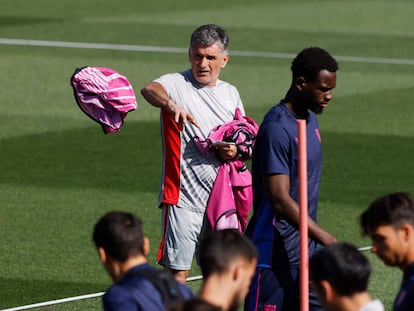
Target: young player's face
206,63
319,92
389,245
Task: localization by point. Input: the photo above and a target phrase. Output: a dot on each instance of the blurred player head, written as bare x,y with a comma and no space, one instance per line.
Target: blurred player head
119,238
339,274
389,222
228,262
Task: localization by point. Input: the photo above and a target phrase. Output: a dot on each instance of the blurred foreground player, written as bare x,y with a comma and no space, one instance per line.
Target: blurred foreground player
122,248
389,222
228,262
339,273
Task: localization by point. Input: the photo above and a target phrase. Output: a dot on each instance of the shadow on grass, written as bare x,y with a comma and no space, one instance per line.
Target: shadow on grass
26,292
85,158
357,168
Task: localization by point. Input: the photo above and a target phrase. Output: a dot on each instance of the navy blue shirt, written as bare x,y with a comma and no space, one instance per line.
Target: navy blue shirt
276,152
134,292
405,297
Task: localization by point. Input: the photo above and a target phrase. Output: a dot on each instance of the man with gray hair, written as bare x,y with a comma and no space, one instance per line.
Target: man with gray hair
192,103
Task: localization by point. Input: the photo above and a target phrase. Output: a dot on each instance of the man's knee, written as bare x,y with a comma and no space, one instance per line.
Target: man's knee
181,275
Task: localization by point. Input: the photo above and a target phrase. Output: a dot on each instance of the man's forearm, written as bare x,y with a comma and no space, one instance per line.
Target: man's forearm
155,94
289,209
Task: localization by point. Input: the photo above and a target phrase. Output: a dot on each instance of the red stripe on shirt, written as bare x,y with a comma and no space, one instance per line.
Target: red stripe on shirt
172,152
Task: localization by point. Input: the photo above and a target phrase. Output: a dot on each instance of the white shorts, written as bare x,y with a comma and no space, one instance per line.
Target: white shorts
181,231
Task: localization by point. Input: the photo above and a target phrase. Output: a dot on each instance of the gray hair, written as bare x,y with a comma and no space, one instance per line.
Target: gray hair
209,34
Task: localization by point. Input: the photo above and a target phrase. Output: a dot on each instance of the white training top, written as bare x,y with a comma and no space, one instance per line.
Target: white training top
374,305
187,176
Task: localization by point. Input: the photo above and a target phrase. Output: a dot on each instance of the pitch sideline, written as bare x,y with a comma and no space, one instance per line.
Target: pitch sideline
160,49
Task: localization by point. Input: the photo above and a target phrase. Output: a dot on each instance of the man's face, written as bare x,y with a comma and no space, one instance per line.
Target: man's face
318,93
206,63
389,244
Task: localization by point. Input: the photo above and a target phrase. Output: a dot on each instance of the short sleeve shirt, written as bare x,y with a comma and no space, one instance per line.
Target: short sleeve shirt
187,176
276,152
405,297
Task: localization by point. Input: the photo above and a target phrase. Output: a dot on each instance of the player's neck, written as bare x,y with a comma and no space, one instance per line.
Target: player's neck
217,291
124,267
295,102
297,109
408,255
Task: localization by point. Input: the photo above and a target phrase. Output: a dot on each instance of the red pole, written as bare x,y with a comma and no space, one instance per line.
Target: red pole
303,225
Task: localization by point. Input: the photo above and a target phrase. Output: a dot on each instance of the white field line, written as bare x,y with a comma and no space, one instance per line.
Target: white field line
160,49
365,248
69,299
194,278
54,302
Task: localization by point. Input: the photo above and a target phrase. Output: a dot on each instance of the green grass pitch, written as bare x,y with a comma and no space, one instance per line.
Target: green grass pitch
59,172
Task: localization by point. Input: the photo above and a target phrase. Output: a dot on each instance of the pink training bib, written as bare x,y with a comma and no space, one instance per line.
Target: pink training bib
104,95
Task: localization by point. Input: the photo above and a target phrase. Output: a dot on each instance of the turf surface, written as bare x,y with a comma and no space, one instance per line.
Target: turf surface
59,173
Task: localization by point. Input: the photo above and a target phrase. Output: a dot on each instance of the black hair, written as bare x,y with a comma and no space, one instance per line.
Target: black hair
392,209
310,61
219,249
209,34
343,266
119,234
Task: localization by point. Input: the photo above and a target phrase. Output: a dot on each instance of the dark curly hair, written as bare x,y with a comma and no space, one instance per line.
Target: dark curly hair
310,61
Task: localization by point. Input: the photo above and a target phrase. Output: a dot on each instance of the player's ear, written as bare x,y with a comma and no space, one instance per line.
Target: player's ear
235,271
326,290
300,83
102,255
225,60
407,232
239,270
145,246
